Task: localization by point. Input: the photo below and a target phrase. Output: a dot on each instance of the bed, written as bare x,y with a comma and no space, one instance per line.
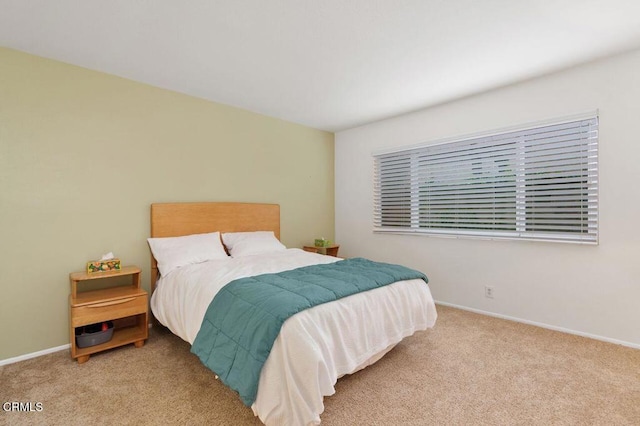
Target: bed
315,346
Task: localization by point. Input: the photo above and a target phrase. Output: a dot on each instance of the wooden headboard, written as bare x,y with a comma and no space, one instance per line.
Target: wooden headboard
177,219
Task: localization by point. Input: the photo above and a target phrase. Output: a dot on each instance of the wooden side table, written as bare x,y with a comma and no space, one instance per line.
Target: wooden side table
128,304
331,250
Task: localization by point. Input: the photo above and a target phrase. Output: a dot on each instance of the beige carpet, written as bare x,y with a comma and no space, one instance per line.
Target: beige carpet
469,370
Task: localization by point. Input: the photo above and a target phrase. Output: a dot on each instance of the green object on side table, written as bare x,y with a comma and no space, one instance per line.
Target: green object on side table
321,242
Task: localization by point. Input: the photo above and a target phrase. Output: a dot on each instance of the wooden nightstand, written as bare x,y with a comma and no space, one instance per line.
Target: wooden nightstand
331,250
126,305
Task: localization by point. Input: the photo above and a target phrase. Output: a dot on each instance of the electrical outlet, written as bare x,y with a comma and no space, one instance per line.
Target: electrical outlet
488,291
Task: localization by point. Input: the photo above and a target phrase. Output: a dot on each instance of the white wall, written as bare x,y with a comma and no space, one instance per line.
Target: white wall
592,290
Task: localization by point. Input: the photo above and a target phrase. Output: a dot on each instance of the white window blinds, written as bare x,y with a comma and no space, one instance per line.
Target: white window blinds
539,182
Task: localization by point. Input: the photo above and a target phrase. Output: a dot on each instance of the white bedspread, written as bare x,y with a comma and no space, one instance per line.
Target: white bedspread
316,346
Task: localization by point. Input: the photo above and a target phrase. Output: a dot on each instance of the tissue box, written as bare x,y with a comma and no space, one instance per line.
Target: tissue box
103,265
321,242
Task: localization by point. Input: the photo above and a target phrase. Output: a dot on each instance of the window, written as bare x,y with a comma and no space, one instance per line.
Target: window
536,183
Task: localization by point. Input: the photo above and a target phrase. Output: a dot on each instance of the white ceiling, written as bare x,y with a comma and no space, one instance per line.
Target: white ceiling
328,64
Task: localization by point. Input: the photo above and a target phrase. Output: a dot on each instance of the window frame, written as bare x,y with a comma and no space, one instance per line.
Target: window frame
525,227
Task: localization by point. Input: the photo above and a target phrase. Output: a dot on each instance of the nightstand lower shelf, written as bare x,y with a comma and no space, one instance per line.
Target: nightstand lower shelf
121,336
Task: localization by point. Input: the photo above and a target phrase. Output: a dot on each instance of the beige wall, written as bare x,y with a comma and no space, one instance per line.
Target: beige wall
591,290
83,154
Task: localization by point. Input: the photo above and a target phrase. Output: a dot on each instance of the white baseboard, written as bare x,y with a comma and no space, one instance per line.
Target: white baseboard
39,353
539,324
464,308
33,355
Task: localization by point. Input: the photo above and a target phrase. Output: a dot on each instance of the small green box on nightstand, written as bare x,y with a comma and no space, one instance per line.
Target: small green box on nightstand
103,265
321,242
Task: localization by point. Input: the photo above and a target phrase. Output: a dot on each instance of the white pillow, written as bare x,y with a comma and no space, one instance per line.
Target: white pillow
174,252
247,243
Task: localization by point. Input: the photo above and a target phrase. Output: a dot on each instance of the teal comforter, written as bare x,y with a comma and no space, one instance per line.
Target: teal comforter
245,317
